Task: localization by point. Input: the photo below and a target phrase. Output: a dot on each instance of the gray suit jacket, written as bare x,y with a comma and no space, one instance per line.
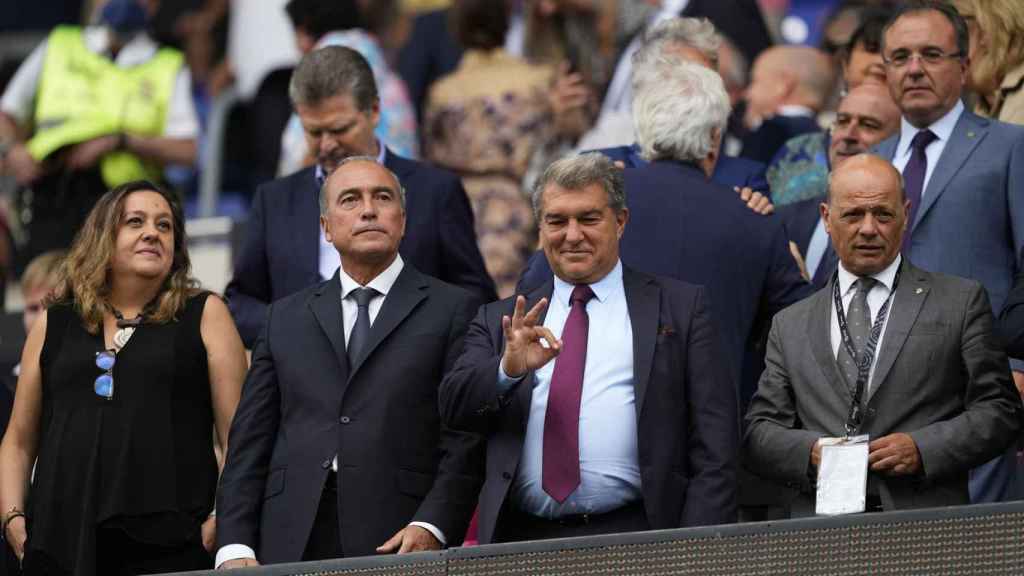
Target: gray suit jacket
940,376
971,219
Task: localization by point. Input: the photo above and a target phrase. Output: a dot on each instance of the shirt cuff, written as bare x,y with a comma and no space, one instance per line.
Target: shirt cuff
233,552
433,530
506,382
1016,365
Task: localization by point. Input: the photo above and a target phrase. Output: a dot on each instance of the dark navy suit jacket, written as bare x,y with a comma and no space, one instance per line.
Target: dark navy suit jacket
728,172
762,144
801,218
684,227
430,52
280,254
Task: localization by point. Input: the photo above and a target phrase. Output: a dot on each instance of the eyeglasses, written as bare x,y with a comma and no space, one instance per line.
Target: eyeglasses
928,57
104,384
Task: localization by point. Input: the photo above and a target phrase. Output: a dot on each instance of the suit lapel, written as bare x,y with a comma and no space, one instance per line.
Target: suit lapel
819,331
643,300
325,304
968,132
307,219
904,309
405,295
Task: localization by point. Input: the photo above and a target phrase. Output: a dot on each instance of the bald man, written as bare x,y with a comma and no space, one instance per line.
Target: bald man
866,116
789,86
936,396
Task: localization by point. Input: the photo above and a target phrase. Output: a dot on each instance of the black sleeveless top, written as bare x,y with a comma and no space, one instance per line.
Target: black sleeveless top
141,461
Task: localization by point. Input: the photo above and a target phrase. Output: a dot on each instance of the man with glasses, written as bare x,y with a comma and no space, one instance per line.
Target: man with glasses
964,175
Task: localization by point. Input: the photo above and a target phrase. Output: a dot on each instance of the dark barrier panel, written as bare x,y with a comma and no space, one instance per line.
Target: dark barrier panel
967,540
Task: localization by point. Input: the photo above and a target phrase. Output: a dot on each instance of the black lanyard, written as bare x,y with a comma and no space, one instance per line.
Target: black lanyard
867,356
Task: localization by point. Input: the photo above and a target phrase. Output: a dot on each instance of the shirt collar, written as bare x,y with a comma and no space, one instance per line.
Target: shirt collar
382,283
320,174
603,288
886,277
794,111
943,128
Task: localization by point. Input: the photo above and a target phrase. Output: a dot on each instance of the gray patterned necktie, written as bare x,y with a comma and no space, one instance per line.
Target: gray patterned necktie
858,323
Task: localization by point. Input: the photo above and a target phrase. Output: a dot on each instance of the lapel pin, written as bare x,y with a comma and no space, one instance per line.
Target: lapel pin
970,134
918,291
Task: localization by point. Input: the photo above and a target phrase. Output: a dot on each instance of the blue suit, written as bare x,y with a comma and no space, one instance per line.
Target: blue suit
280,254
801,219
728,172
971,223
684,227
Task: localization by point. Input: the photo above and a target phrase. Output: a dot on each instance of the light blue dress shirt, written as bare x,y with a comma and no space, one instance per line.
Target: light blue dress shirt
609,466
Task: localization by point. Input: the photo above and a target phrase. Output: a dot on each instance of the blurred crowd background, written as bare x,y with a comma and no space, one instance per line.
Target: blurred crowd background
492,94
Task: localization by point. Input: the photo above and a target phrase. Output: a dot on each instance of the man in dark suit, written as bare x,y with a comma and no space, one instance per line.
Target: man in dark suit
284,251
337,448
964,175
607,405
936,399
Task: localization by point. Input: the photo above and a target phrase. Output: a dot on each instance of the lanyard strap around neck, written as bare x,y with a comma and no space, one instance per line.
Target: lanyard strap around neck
867,355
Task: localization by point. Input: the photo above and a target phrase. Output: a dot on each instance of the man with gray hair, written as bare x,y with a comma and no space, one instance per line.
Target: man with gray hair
335,96
687,40
605,401
337,448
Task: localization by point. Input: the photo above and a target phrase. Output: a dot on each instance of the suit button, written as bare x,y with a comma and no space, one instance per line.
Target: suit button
506,475
870,412
326,464
344,419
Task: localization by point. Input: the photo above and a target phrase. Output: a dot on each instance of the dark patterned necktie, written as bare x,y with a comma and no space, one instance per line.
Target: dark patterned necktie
361,330
561,455
858,324
913,178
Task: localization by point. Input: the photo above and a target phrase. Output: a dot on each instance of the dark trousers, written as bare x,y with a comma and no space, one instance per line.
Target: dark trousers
325,539
517,526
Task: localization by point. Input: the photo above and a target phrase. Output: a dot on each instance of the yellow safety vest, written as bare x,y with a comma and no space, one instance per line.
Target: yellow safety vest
83,95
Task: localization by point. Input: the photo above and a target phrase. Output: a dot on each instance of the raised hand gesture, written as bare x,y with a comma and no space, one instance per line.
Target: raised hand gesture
524,350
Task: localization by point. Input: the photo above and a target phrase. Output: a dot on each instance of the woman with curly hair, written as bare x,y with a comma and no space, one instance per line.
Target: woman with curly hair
997,56
123,378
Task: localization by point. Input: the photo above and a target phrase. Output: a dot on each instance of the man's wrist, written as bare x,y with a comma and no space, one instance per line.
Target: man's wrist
233,552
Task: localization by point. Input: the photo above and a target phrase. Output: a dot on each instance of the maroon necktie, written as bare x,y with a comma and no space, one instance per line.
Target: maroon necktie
561,466
913,178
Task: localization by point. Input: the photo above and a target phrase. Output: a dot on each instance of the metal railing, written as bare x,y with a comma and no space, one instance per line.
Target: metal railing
967,540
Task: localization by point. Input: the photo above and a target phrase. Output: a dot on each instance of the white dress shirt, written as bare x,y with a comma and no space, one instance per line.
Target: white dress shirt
876,297
943,128
20,97
609,465
329,259
382,283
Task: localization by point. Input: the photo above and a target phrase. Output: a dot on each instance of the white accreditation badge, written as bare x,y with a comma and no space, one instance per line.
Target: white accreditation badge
842,476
